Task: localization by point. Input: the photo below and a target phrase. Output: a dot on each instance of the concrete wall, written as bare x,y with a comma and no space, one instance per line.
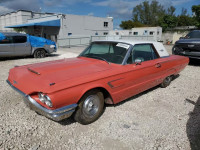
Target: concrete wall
152,31
155,32
172,37
84,26
120,32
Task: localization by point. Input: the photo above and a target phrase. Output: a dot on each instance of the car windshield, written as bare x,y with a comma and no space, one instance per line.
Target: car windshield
193,34
110,52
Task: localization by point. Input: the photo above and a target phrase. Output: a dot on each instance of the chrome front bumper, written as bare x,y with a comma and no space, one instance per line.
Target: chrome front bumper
56,114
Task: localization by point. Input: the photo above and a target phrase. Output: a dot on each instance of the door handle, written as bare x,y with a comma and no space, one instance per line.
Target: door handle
158,65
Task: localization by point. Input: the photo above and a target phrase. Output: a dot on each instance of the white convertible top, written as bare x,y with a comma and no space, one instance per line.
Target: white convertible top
158,46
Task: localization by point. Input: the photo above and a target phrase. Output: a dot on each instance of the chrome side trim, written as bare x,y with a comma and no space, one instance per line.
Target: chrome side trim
56,114
33,71
17,90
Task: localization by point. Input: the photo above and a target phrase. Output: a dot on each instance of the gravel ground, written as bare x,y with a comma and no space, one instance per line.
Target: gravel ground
160,118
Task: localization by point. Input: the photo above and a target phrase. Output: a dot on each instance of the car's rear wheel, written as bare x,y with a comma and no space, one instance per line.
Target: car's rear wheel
90,107
40,53
166,82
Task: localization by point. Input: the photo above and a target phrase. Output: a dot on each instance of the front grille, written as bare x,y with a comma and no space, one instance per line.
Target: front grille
188,47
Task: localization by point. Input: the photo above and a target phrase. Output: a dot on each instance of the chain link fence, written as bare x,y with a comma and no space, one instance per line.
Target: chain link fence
82,41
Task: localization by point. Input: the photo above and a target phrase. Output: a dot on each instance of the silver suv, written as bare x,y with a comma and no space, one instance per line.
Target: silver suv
17,44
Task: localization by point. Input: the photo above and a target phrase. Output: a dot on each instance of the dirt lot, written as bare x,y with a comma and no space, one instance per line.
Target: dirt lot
160,118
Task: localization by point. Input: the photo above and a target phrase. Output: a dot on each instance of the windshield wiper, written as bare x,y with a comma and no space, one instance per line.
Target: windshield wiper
97,57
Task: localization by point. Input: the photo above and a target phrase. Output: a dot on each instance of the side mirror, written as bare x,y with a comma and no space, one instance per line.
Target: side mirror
138,61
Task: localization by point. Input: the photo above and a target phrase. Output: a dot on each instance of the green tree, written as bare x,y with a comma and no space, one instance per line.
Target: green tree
148,13
130,24
185,21
184,12
19,29
171,10
154,14
196,11
168,22
127,24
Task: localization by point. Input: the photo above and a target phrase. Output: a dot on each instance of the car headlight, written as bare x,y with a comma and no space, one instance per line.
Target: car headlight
52,46
45,99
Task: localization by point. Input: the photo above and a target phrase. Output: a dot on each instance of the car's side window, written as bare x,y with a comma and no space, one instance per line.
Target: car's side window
19,39
7,40
99,48
143,52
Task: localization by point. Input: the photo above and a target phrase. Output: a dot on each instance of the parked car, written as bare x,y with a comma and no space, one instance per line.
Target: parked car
189,45
105,72
16,44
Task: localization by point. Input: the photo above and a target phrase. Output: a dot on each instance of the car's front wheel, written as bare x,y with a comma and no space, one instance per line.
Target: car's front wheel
90,107
39,53
166,82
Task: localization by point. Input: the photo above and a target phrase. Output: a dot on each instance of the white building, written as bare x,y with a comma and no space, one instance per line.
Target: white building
154,32
18,17
55,26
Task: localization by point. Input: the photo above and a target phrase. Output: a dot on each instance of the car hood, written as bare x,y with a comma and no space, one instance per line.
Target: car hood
46,76
188,41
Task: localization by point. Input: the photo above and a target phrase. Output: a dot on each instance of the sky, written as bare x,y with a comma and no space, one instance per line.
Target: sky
118,9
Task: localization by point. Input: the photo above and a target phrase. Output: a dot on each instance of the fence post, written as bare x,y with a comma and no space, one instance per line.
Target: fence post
69,42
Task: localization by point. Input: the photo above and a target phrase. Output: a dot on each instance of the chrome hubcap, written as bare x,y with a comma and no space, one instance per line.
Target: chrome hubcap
167,80
91,105
42,53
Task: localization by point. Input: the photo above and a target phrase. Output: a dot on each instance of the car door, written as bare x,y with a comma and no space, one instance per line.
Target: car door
21,46
141,76
6,47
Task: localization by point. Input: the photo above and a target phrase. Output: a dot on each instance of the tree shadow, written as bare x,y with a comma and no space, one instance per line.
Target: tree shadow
193,125
53,55
194,62
67,121
14,58
26,57
70,120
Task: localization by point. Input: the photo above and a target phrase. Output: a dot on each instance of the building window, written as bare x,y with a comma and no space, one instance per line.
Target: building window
145,32
105,24
135,33
130,33
105,33
69,34
117,33
151,33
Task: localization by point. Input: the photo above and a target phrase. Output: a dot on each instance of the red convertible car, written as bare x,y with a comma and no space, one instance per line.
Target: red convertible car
105,72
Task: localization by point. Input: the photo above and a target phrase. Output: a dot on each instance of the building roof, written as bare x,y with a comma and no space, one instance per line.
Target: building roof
26,11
